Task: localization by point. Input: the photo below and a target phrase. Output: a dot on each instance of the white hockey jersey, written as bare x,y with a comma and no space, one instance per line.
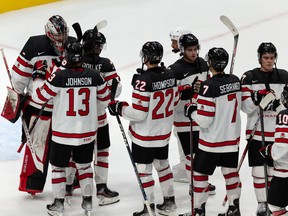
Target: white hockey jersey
218,114
154,97
78,96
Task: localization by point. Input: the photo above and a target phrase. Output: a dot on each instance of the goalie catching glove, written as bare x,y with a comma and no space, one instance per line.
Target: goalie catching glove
115,107
40,69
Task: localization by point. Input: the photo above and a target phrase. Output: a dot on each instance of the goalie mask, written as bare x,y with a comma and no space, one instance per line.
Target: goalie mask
57,31
284,96
175,35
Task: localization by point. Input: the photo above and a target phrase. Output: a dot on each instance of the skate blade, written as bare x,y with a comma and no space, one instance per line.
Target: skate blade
68,200
103,201
181,180
87,213
167,213
53,213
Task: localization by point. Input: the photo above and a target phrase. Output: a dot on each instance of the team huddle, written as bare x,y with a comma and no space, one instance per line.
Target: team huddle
61,87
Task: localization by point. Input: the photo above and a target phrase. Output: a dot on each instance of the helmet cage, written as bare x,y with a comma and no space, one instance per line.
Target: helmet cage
57,31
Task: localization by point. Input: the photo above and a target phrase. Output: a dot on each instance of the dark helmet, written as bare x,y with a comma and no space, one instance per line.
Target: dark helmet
57,31
266,47
152,51
187,40
217,58
284,96
73,54
90,41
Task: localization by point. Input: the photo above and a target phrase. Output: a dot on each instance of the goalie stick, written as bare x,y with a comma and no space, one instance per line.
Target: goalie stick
78,30
38,163
146,202
226,21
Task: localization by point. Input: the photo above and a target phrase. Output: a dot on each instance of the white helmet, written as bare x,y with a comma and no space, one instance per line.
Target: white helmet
177,32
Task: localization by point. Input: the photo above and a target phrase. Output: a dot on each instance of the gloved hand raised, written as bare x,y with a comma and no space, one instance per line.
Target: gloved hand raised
40,69
115,107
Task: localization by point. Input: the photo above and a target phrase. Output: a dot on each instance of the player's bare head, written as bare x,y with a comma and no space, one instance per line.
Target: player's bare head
57,31
93,42
175,34
73,54
217,58
152,52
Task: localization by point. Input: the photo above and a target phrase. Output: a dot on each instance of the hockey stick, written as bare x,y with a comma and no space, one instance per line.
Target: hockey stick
226,21
6,65
146,202
37,162
78,30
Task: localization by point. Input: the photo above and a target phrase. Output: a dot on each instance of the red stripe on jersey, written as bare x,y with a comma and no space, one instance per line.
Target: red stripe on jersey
219,144
50,106
140,97
24,63
281,170
285,130
205,113
245,89
258,133
21,73
149,138
206,103
73,135
141,108
40,96
281,140
49,91
107,78
102,154
245,97
102,91
102,117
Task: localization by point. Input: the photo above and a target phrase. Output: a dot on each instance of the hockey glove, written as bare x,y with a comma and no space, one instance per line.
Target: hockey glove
266,151
115,107
258,95
189,108
40,69
185,92
58,61
196,86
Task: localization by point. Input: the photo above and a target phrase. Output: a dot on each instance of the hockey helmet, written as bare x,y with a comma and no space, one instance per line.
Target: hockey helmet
73,54
284,96
152,51
91,41
217,58
266,47
188,40
57,31
177,32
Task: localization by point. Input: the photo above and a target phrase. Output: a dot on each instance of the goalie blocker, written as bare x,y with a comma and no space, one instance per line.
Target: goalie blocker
13,105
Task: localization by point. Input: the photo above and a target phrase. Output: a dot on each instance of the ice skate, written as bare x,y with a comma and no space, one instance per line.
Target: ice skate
168,207
261,209
56,208
233,210
87,204
197,211
69,193
179,174
106,196
144,212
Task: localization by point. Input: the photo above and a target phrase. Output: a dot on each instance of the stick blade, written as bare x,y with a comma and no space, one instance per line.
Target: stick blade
266,100
226,21
101,24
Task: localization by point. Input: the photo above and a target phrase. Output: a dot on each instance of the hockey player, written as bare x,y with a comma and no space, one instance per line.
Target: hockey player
78,95
175,34
278,151
187,69
217,111
179,170
93,46
256,83
154,96
37,60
